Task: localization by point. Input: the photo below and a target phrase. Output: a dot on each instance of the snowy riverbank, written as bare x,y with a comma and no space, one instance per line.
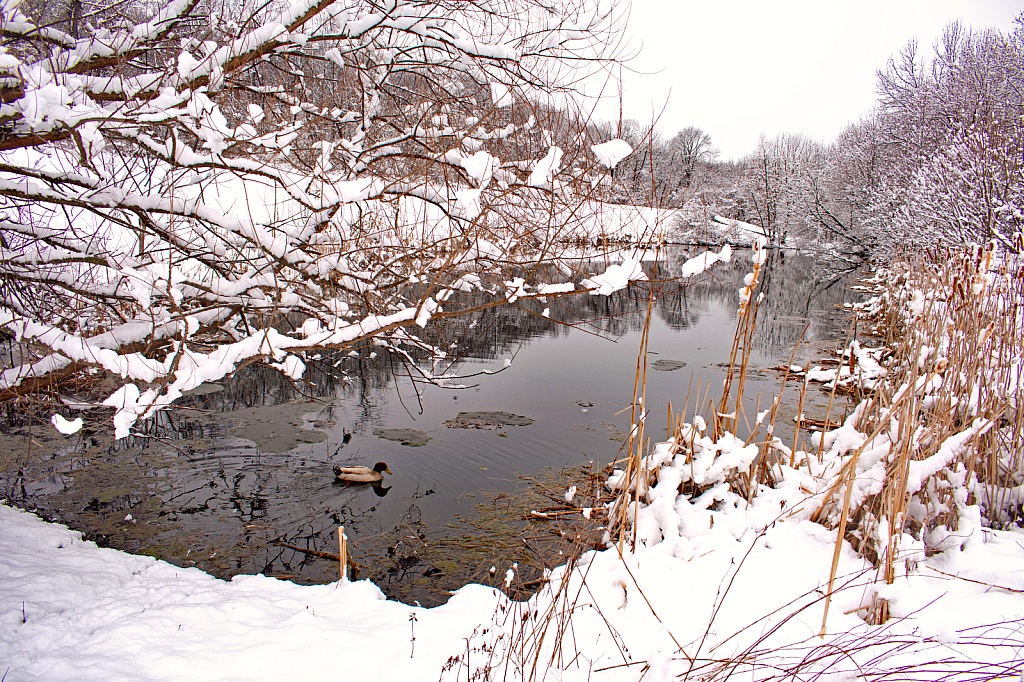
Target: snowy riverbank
73,611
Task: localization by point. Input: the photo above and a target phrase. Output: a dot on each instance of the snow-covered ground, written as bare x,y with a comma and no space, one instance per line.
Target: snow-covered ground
716,229
728,589
624,223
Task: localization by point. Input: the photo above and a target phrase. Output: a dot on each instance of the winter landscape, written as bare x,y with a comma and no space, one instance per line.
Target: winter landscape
801,458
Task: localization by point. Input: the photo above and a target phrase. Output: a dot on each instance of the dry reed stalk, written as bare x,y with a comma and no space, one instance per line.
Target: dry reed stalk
832,395
773,413
343,553
820,515
848,475
740,340
952,323
748,333
633,474
799,419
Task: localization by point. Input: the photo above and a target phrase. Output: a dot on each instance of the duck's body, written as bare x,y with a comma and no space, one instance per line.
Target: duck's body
360,474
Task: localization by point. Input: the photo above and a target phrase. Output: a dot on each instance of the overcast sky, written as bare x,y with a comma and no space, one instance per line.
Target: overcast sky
739,68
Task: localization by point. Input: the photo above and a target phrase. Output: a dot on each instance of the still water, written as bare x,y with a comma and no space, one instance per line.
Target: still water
238,479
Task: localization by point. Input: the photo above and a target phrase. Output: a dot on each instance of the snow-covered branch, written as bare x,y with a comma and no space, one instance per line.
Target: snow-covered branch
172,188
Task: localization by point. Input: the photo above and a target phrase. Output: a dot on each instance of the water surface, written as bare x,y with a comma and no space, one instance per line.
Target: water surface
237,478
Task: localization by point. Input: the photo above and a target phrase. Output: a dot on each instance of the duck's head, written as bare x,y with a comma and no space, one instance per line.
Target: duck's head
381,467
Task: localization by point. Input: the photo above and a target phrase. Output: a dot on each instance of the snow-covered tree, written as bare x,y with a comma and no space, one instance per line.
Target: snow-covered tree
950,130
191,190
857,165
687,149
971,191
783,176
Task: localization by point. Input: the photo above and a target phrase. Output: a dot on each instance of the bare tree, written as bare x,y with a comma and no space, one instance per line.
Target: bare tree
690,147
660,171
778,182
172,185
950,130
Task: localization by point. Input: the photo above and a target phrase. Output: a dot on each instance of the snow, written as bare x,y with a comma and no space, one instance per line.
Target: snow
701,263
66,427
561,288
741,228
74,611
621,223
99,614
480,167
611,152
694,227
501,95
545,170
617,276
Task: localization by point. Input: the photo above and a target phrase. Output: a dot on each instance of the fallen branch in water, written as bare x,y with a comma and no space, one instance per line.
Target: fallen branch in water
311,552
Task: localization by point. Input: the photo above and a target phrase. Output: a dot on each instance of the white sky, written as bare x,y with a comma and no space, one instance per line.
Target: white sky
739,68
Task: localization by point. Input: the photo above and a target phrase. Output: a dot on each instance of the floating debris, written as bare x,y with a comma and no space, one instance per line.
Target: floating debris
487,420
411,437
667,365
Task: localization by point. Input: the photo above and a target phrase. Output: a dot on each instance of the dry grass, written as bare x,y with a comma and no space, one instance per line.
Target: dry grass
950,405
941,423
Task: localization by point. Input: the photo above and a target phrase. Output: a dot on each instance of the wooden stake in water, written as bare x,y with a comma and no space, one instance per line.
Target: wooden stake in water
343,553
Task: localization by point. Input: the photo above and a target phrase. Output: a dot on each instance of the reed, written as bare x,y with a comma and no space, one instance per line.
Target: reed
343,553
726,421
942,425
941,422
953,321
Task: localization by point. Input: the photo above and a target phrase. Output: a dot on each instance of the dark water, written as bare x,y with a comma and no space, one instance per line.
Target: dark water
209,485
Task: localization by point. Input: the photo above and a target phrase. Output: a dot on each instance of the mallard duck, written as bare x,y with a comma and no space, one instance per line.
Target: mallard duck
358,474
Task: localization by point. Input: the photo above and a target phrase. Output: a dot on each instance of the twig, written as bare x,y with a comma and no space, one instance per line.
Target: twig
976,582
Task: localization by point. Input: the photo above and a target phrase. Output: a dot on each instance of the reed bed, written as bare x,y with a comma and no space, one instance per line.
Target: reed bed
932,447
949,410
940,422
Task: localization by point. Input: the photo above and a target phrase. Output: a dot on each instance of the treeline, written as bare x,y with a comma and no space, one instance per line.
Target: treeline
939,161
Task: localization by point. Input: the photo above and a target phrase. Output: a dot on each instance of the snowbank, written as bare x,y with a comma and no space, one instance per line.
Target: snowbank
717,230
74,611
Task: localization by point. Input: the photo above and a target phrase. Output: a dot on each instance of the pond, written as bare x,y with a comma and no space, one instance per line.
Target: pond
237,478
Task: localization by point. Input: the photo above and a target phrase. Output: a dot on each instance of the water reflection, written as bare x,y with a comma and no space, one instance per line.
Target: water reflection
204,483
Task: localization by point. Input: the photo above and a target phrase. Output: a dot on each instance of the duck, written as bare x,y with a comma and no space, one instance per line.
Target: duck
360,474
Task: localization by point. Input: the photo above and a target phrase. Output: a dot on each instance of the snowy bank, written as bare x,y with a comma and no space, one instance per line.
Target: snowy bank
716,230
74,611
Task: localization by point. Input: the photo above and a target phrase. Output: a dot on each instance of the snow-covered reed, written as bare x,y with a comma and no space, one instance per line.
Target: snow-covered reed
933,450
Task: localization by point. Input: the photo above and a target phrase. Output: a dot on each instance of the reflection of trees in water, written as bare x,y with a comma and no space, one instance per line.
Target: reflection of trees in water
244,484
796,288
